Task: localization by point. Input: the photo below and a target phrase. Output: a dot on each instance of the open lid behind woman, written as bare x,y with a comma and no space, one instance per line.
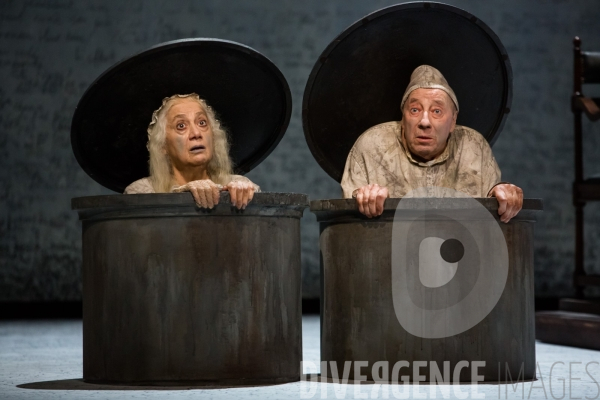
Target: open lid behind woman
248,92
359,79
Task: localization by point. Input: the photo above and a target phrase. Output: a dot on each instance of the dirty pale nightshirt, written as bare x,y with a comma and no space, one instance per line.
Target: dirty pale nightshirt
380,156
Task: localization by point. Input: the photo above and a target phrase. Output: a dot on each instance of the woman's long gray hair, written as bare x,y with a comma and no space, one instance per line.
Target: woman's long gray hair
220,167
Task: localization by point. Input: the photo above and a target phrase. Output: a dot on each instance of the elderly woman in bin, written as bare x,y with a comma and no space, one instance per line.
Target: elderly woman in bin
189,151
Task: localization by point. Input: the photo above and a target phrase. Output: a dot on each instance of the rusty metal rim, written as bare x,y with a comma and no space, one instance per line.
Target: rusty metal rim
264,199
419,204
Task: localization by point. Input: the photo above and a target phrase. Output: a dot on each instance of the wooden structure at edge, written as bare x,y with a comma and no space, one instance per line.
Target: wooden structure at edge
577,322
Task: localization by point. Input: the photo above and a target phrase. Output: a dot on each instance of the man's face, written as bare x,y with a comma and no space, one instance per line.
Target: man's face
428,118
189,137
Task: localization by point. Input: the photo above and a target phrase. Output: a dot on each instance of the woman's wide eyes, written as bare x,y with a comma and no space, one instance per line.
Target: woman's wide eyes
182,125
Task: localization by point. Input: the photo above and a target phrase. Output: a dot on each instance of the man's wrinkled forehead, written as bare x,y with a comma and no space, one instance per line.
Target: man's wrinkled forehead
436,96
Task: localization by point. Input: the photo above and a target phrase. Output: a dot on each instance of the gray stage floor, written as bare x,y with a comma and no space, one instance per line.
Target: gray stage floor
43,360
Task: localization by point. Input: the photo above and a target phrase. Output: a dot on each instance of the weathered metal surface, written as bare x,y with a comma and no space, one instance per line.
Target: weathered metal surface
357,317
173,294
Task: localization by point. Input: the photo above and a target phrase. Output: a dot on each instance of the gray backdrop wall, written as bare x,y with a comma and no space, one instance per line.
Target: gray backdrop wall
50,51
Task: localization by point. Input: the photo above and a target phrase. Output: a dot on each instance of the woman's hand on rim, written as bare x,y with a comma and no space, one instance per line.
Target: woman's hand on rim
205,192
241,193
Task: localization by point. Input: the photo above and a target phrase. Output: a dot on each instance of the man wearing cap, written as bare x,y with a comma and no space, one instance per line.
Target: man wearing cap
426,148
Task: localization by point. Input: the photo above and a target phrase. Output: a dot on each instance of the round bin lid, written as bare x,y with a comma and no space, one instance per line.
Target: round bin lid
359,80
249,94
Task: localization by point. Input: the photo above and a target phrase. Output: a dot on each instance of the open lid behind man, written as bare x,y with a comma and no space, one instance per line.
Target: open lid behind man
359,79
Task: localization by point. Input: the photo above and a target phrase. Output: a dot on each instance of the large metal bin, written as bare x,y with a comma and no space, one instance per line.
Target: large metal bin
358,319
173,294
357,83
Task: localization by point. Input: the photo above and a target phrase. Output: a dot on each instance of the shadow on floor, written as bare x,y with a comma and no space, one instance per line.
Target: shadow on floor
79,384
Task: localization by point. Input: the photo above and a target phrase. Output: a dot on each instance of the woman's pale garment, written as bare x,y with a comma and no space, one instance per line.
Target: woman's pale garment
380,156
144,185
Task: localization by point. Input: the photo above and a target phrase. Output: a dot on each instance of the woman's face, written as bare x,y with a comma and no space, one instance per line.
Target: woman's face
189,137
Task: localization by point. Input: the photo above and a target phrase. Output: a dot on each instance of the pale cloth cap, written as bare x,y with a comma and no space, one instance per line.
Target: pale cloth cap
427,77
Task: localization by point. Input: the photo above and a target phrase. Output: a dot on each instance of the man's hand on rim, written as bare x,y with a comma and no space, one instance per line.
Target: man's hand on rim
370,199
510,200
